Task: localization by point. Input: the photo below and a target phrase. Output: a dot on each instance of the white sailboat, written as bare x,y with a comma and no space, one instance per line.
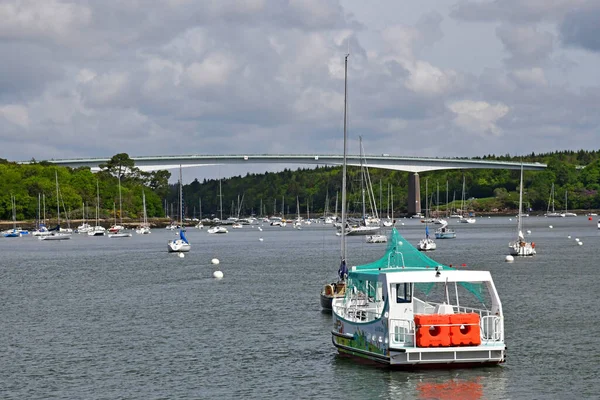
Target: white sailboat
180,245
56,233
427,243
464,217
144,228
97,230
553,213
567,213
337,289
41,230
369,225
521,247
218,229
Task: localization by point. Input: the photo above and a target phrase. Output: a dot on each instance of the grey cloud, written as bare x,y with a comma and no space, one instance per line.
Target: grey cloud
581,27
514,11
526,45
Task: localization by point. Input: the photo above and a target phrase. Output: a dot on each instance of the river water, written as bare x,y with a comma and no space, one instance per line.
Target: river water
102,318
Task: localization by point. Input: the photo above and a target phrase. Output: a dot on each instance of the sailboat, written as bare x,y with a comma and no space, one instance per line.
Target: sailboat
298,221
117,231
427,243
199,225
438,219
369,225
219,228
464,219
14,232
113,230
180,245
553,213
387,222
337,289
56,233
41,230
97,230
521,247
144,228
567,213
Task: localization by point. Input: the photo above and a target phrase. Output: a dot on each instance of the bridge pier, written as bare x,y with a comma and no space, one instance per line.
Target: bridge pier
414,194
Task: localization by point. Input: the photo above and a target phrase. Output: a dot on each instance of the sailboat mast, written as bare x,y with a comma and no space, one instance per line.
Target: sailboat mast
57,199
220,201
344,158
362,183
520,203
180,198
120,203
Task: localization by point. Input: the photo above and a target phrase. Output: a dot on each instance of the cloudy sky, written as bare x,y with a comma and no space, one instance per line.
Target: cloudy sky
166,77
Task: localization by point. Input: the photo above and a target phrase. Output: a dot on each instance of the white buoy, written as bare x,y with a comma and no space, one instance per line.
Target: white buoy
577,239
580,243
569,237
403,224
217,274
181,255
510,219
528,232
261,239
509,258
215,261
550,227
260,229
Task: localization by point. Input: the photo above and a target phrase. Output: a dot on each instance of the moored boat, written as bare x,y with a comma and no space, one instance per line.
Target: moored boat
521,247
443,232
406,310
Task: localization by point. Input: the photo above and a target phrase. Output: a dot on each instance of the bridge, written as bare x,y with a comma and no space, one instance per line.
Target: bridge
412,165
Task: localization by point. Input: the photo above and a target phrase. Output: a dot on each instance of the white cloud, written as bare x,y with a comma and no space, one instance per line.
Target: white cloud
429,80
478,117
530,77
213,70
15,114
267,75
42,19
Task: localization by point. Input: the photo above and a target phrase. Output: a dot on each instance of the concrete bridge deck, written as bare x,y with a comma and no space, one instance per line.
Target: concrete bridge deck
413,165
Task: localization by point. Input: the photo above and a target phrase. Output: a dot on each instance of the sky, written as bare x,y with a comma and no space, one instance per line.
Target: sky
434,78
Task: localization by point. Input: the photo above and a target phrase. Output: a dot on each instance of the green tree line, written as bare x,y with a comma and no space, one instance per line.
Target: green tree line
315,188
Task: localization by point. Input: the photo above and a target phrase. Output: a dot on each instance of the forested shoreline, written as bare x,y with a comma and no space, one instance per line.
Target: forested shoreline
489,191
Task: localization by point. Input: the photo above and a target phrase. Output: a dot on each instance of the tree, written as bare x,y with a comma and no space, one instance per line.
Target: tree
121,166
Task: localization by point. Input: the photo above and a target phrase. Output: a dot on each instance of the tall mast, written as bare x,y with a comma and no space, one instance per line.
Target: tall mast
520,203
57,200
180,198
220,201
344,158
120,203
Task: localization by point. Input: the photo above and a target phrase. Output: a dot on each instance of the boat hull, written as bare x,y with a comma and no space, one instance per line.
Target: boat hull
178,246
59,236
360,346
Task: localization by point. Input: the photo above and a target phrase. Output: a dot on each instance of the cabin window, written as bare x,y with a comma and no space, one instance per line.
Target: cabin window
403,292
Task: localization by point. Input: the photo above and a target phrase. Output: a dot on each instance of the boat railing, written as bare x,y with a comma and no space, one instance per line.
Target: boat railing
492,329
402,332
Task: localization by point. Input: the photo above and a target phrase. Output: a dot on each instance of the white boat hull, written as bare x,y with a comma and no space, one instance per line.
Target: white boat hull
119,235
56,236
522,249
178,246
